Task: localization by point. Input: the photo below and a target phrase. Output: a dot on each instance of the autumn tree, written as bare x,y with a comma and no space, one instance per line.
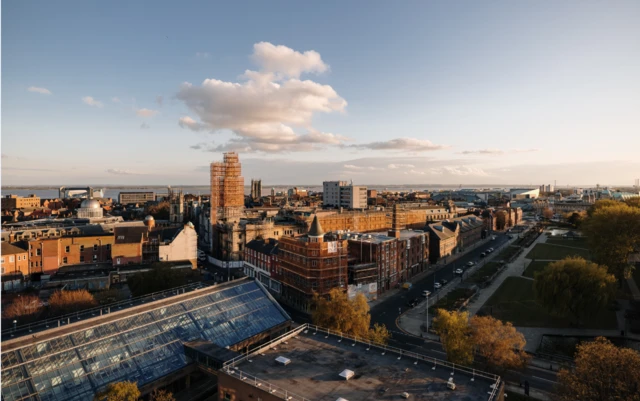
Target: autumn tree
602,372
613,233
547,213
25,308
576,218
338,313
633,202
455,334
63,302
162,395
601,204
120,391
574,287
501,345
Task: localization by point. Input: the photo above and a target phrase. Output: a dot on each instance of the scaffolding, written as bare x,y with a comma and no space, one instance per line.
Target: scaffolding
227,188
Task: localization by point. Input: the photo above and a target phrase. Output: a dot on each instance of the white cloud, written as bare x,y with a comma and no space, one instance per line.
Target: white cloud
146,112
202,55
144,126
459,170
159,100
489,151
263,110
394,166
188,122
351,166
286,61
117,171
116,100
36,89
91,101
524,150
407,144
414,172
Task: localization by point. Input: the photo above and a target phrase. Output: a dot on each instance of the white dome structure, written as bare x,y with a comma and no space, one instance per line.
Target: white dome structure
90,208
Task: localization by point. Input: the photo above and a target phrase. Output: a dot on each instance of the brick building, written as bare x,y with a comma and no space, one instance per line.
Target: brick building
314,263
19,202
261,263
379,250
442,241
15,260
471,230
47,255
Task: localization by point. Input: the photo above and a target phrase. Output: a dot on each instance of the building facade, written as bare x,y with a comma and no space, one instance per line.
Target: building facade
19,202
342,194
261,263
256,189
176,206
14,260
179,246
443,241
379,250
47,255
136,197
314,263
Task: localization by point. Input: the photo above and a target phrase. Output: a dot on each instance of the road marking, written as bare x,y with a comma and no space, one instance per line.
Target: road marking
547,380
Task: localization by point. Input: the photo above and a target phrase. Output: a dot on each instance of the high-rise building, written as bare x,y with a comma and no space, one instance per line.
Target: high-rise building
227,188
256,189
343,194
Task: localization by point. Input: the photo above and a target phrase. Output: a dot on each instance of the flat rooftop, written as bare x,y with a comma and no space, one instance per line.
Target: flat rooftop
316,362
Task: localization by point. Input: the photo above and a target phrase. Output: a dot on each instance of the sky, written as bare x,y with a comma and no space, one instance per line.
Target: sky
411,92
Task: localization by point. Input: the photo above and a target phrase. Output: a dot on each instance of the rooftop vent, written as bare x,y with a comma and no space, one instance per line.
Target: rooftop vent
283,361
347,374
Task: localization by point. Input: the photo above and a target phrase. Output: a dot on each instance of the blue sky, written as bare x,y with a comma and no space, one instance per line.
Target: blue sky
416,92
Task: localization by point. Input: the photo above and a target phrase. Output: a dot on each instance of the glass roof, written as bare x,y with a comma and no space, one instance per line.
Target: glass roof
141,347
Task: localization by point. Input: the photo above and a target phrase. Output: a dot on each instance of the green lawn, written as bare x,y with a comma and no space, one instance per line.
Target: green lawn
514,302
484,272
534,267
556,252
578,243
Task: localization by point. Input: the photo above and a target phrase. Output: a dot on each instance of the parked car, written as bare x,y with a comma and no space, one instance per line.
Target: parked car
426,293
510,236
483,254
413,303
444,281
491,249
470,264
459,271
493,238
437,285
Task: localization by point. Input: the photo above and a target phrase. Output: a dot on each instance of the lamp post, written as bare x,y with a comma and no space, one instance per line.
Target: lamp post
427,320
15,322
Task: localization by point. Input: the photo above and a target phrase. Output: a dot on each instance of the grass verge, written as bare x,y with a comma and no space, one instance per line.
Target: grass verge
556,252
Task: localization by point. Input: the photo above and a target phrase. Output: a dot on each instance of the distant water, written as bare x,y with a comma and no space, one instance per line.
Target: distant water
48,193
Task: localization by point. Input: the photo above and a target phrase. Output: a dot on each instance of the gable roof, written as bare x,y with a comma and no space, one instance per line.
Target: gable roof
129,235
8,249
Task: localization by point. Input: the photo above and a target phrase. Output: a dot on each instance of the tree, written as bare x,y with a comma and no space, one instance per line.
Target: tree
576,218
602,372
63,302
162,395
337,313
633,202
159,211
547,213
574,287
601,204
25,308
154,280
120,391
613,233
455,333
499,343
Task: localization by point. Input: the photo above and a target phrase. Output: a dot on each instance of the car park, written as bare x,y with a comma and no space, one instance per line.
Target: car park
437,285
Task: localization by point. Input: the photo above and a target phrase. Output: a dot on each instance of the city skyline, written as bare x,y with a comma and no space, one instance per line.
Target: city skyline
428,93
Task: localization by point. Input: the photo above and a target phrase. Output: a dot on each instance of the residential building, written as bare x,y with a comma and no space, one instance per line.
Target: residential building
127,247
256,189
176,244
342,194
413,253
377,249
443,241
313,263
261,263
15,260
126,198
47,255
471,230
10,202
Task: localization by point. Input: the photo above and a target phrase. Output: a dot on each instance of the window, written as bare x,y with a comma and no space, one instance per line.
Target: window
64,260
120,236
118,261
2,270
2,260
81,258
38,252
227,396
95,257
95,247
66,249
108,247
81,248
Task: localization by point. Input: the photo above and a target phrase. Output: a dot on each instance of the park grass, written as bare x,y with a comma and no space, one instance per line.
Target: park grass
451,300
535,266
576,243
486,271
515,302
556,252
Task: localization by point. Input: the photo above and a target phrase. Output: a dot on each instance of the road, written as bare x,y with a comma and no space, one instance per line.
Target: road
388,311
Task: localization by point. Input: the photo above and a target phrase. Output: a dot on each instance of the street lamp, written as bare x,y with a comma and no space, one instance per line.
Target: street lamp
15,322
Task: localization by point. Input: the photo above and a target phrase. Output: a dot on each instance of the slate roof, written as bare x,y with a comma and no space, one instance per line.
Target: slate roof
269,247
316,229
129,235
8,249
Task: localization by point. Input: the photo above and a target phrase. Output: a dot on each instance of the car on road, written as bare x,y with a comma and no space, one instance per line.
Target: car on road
413,303
437,285
483,254
444,281
491,249
426,293
459,271
469,264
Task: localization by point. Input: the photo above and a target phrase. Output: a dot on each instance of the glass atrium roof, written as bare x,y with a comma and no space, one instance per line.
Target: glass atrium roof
141,347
